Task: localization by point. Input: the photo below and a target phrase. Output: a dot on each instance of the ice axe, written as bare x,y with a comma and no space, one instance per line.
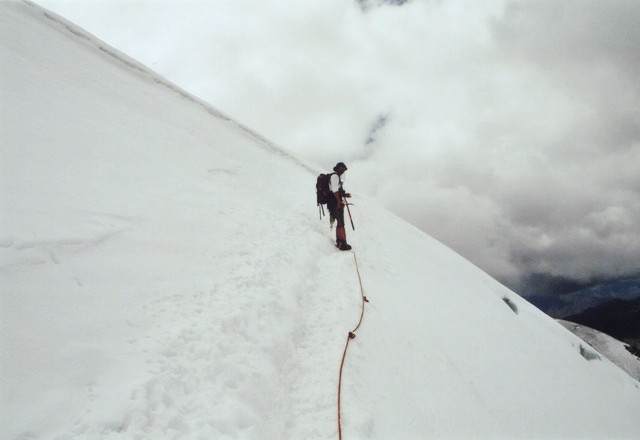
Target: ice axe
348,210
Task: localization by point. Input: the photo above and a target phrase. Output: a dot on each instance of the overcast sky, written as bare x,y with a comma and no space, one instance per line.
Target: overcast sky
509,130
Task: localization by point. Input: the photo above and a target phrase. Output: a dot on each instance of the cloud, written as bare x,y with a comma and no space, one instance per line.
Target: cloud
535,168
366,5
573,34
508,130
578,200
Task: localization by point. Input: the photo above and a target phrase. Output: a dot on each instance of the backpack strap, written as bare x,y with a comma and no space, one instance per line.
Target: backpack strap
339,181
340,184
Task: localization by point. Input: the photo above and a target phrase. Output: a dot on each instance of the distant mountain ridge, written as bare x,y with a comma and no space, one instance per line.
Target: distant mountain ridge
611,308
618,318
563,306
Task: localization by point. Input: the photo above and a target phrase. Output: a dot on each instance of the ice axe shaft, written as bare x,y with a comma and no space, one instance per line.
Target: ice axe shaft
349,212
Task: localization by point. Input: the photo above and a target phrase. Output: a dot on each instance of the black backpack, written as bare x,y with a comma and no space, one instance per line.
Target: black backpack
322,188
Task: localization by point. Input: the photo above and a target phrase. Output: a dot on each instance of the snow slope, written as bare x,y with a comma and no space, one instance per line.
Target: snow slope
609,347
165,275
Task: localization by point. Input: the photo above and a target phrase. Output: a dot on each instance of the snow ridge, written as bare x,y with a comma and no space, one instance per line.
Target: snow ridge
160,80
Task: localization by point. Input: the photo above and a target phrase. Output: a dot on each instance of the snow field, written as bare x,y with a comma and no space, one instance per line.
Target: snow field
446,343
164,275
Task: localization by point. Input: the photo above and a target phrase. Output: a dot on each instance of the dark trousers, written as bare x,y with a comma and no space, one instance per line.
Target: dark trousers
338,214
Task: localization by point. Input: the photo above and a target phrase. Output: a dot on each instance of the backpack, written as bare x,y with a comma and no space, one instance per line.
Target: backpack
322,188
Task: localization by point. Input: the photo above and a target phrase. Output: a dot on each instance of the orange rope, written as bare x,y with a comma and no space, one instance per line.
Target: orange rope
364,298
351,335
344,354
